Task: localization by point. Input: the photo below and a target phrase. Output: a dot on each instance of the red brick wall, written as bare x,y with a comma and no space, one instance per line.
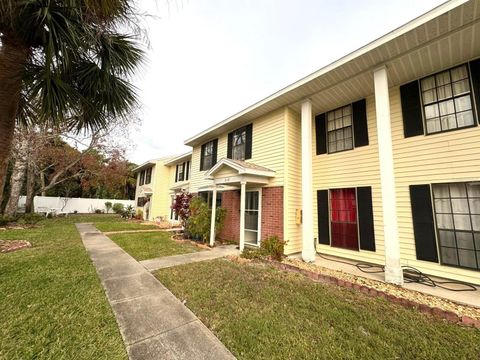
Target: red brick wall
272,213
231,229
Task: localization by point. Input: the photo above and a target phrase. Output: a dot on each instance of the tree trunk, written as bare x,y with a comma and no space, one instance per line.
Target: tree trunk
17,179
43,185
30,186
12,63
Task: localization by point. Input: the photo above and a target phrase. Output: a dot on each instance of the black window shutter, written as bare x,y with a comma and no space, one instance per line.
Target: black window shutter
321,134
323,217
411,109
248,144
360,127
214,156
365,218
423,226
202,154
475,71
187,170
229,145
176,173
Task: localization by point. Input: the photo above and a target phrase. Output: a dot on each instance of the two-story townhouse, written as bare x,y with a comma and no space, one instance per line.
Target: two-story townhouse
158,181
379,151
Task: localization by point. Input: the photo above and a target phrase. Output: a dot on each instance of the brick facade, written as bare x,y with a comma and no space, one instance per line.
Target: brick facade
272,213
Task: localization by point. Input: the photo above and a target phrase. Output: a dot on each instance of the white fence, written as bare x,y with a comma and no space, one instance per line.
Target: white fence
70,205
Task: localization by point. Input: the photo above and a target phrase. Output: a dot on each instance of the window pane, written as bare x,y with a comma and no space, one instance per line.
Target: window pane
340,145
443,206
446,107
338,123
339,134
463,103
431,111
477,241
443,78
429,96
444,92
338,114
347,120
459,73
473,189
444,221
459,206
332,147
476,222
464,240
474,206
441,191
347,132
348,143
462,222
461,87
433,125
331,137
446,238
457,190
428,83
347,110
449,256
448,122
331,125
465,119
467,258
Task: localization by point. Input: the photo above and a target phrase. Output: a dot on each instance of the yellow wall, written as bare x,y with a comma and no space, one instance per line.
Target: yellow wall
449,157
292,195
268,142
160,198
352,168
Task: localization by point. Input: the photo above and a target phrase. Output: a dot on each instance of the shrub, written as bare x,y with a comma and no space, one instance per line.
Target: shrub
139,215
198,224
181,206
270,247
30,219
108,206
98,211
118,208
4,220
128,212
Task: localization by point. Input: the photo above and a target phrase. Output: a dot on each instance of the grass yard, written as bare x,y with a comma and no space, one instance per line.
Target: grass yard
150,245
115,223
262,313
52,305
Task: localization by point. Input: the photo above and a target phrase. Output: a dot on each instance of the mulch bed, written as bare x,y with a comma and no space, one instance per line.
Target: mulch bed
13,245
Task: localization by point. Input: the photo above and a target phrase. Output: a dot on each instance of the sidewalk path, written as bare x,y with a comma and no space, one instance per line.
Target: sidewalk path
154,324
168,261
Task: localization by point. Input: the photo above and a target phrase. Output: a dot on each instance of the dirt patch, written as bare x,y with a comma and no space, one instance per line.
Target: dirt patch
13,245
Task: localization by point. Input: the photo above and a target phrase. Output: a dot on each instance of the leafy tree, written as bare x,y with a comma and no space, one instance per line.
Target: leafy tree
65,62
181,206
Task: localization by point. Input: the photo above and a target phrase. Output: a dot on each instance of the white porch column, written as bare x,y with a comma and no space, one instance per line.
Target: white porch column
308,248
243,187
393,270
214,214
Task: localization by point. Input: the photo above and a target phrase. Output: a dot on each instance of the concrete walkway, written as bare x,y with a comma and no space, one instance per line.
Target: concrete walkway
169,261
154,324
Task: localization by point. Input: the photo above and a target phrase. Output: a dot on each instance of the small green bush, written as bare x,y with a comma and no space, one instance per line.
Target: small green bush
108,206
270,247
4,220
98,211
30,219
118,208
128,212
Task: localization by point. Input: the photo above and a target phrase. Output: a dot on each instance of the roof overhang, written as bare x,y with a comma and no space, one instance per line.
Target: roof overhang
443,37
179,159
144,166
181,186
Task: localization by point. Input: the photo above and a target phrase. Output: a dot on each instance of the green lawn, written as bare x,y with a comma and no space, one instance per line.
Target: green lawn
106,224
52,305
262,313
150,245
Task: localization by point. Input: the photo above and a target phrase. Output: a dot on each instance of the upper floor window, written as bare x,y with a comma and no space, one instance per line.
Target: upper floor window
447,100
142,177
240,143
339,129
208,156
148,175
182,171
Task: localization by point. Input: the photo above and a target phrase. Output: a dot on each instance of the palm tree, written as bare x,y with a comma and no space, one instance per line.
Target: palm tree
65,62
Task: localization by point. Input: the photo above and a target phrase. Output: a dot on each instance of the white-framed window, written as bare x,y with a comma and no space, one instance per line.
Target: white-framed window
207,156
340,129
447,100
457,216
239,140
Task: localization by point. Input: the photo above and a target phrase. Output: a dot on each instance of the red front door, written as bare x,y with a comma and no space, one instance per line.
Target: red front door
343,217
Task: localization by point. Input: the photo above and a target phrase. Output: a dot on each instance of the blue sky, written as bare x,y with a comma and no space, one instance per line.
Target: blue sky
210,59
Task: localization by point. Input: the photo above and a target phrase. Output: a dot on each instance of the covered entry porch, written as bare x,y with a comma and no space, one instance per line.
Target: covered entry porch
248,179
